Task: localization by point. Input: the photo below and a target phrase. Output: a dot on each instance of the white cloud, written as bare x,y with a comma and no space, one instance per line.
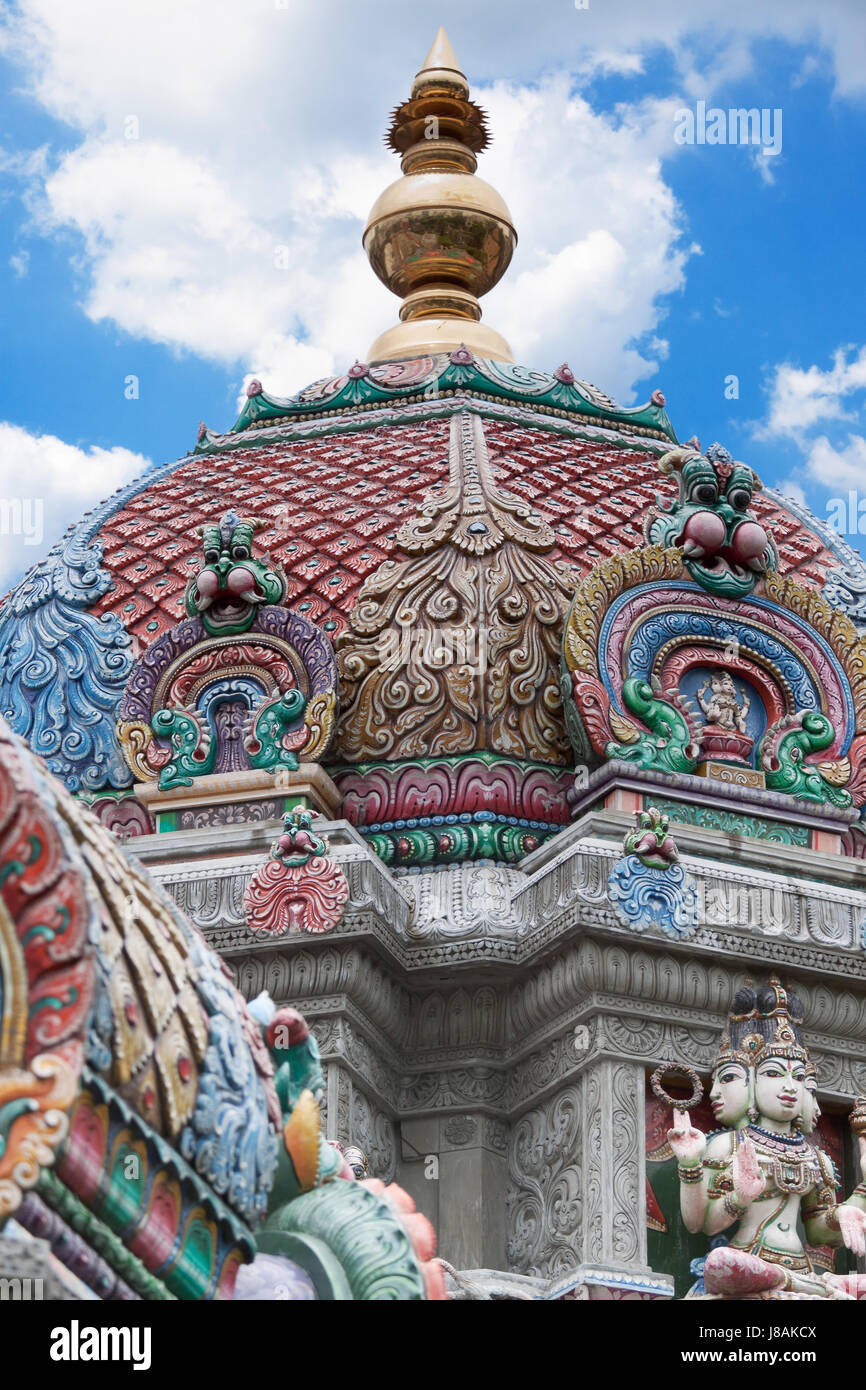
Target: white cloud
789,487
44,481
599,232
20,264
766,166
182,249
175,257
835,467
801,398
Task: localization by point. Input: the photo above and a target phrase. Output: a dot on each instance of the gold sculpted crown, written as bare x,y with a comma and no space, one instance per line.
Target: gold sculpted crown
763,1022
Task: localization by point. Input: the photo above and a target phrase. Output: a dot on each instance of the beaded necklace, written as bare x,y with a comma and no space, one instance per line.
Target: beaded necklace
783,1143
794,1162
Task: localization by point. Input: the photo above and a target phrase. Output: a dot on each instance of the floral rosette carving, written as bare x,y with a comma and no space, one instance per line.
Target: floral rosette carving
298,889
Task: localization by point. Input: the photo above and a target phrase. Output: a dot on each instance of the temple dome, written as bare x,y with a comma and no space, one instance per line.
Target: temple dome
339,475
516,478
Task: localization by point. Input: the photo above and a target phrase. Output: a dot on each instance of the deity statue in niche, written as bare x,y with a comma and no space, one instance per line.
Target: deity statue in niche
723,707
758,1174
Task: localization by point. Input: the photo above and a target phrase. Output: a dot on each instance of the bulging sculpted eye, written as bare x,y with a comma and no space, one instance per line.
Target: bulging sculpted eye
240,552
706,493
211,556
739,498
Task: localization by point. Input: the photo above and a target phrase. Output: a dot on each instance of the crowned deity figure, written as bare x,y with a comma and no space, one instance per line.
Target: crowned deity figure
723,707
758,1175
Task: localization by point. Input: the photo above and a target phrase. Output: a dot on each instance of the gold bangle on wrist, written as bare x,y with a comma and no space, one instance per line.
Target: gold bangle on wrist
689,1173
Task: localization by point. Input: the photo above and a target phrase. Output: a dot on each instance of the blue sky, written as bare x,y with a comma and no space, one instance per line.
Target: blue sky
155,157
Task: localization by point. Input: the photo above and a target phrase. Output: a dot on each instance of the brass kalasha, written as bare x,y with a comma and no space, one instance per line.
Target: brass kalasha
440,236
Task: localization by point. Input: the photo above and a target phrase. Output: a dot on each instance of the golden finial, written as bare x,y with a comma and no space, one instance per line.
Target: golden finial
439,237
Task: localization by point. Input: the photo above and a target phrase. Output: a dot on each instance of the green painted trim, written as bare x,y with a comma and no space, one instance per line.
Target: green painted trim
314,1257
732,822
567,398
666,748
118,793
362,1233
101,1238
419,847
452,760
351,420
166,821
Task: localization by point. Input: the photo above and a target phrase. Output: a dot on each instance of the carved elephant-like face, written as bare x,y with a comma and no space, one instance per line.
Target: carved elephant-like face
726,548
232,583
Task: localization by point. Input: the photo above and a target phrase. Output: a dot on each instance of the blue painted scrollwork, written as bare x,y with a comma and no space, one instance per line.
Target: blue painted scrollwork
229,1139
63,670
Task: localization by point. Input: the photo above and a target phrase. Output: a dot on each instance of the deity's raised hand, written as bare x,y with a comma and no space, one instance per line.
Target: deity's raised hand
746,1172
861,1141
687,1142
852,1224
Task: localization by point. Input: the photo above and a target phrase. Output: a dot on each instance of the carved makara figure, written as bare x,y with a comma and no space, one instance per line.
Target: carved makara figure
758,1174
723,707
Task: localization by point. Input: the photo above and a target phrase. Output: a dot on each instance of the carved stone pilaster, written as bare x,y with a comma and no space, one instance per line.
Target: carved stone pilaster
373,1131
614,1226
338,1102
546,1194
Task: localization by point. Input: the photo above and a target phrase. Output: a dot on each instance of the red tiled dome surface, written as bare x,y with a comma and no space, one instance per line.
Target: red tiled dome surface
334,505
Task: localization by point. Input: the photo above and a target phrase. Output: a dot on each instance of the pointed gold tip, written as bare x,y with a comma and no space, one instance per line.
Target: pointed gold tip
441,55
440,67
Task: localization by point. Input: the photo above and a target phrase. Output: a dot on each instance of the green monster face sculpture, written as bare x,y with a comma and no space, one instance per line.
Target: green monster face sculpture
232,584
726,550
650,840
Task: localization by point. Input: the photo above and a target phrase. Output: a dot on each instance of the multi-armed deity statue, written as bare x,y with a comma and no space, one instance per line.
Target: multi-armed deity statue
759,1176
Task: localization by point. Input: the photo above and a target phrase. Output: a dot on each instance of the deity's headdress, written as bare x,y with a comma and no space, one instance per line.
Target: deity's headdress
764,1022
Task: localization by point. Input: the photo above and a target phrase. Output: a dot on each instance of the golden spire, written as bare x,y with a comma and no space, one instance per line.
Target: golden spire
439,237
441,63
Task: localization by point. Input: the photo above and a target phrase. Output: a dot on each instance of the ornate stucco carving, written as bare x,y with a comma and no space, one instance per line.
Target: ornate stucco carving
410,685
373,1131
545,1203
